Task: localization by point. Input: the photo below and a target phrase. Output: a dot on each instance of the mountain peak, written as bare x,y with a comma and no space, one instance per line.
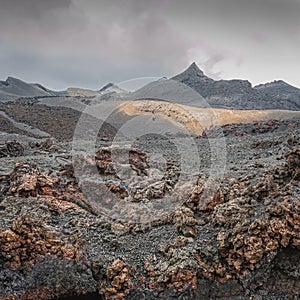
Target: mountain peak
13,80
193,68
107,86
192,73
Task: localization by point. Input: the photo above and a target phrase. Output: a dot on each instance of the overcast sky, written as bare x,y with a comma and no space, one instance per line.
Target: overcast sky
87,43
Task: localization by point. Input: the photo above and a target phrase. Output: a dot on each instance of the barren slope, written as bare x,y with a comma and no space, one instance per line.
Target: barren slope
197,119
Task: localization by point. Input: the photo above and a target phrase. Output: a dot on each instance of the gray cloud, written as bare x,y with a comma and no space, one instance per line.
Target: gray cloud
33,9
210,64
33,22
87,43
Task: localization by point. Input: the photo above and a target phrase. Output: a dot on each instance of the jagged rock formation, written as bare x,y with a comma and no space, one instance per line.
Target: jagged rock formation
239,94
241,241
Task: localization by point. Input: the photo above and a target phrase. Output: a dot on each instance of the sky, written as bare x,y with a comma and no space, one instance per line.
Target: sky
88,43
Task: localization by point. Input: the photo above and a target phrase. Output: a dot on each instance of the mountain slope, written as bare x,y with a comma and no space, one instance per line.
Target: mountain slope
169,90
14,88
239,94
196,119
282,92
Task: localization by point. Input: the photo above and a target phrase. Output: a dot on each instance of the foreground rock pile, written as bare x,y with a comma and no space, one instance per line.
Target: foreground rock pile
241,239
25,241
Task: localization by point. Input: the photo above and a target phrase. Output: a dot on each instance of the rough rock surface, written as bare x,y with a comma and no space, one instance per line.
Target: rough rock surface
240,241
11,149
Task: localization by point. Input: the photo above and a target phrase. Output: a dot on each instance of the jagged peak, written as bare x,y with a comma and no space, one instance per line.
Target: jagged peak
11,79
108,85
194,68
193,71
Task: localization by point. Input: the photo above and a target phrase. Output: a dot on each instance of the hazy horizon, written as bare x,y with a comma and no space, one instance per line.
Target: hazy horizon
136,82
75,43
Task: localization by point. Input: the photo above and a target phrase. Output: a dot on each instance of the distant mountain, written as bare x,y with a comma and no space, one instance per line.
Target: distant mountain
239,94
106,87
78,92
111,88
191,87
14,88
282,92
111,91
